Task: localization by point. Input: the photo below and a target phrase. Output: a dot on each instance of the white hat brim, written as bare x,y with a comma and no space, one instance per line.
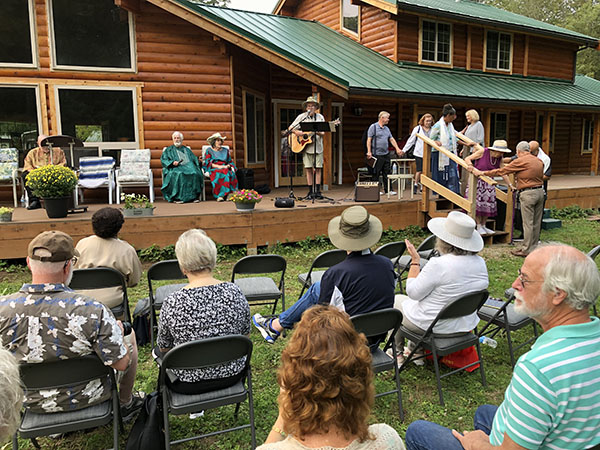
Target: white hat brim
471,244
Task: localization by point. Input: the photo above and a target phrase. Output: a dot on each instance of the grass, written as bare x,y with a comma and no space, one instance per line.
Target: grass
463,392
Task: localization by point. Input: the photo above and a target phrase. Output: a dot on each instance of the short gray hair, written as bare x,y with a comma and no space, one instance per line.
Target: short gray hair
523,146
383,113
195,251
573,272
11,394
46,267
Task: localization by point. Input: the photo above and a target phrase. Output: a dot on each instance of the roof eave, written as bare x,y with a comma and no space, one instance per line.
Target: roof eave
385,6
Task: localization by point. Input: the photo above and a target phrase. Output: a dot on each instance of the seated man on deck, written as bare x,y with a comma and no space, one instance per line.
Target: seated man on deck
182,175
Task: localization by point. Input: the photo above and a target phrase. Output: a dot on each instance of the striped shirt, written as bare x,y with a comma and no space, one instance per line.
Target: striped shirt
553,400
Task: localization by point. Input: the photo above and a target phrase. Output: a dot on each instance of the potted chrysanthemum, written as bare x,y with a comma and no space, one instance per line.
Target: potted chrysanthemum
245,200
54,185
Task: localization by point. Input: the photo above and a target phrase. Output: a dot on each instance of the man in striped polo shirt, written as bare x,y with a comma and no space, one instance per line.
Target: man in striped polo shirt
552,399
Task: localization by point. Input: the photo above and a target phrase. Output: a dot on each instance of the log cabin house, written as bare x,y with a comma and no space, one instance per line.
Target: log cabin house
127,73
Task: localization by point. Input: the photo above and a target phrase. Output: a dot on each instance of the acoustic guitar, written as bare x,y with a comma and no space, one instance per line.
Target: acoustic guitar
297,143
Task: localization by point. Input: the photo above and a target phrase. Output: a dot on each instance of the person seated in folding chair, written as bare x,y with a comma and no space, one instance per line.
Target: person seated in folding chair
362,283
456,272
205,308
105,249
552,398
326,389
182,173
46,321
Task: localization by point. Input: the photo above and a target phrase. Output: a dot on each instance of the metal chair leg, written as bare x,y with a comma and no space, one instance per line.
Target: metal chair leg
437,375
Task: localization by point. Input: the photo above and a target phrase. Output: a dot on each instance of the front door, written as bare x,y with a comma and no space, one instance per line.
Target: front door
289,164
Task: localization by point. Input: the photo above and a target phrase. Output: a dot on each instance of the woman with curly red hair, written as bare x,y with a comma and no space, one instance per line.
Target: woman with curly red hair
326,388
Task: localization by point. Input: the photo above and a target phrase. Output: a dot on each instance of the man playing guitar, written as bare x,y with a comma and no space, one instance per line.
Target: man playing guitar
312,154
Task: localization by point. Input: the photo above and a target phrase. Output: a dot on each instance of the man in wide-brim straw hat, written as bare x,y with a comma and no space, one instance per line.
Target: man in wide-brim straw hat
312,155
363,282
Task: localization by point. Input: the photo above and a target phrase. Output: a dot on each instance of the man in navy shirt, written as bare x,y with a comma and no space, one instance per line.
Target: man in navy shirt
379,138
362,283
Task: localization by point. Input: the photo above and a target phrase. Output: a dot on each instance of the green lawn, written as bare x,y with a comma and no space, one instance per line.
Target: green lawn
462,392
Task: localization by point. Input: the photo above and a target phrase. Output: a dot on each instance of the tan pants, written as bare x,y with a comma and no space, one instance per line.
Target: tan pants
532,208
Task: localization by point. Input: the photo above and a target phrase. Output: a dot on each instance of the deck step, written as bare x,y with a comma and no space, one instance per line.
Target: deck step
549,224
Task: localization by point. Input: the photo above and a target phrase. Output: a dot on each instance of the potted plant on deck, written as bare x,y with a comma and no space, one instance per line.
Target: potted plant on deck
54,185
136,205
245,200
6,214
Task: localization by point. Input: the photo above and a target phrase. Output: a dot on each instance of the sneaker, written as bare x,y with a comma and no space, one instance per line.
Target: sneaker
392,192
263,325
220,199
129,412
416,362
487,230
197,415
481,230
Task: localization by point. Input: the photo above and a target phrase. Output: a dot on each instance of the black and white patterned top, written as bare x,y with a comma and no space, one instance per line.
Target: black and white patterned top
200,313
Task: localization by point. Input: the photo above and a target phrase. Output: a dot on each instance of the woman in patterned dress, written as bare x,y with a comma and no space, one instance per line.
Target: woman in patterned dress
486,159
220,167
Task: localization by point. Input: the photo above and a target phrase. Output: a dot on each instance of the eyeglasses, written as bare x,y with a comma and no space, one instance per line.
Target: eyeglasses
73,261
524,281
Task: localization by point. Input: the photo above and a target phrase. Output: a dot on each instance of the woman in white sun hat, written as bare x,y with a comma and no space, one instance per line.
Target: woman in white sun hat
444,278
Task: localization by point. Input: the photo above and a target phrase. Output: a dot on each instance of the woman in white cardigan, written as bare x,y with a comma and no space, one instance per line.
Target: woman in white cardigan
424,127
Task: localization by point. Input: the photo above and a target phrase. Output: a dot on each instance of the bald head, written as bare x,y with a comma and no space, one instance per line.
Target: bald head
534,147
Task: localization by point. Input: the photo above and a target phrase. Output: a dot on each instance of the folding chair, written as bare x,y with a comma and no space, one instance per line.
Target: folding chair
9,170
200,354
261,290
444,344
426,250
324,260
380,323
88,280
160,271
63,374
393,251
501,316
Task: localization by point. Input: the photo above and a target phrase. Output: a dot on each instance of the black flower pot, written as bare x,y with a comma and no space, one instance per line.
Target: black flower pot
56,207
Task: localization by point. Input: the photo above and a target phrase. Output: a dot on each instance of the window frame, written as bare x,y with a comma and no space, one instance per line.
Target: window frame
590,149
39,95
351,33
110,145
55,66
493,118
263,163
450,43
485,49
540,139
34,47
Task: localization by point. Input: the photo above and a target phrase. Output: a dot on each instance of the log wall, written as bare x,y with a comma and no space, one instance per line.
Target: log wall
378,31
408,37
325,11
551,58
459,45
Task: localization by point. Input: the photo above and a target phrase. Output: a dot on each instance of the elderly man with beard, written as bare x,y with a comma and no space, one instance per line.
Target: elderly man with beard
552,399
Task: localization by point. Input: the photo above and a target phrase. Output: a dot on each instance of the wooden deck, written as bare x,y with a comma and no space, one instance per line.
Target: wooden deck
266,225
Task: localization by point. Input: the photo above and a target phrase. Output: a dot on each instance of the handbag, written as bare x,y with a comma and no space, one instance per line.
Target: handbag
148,432
409,153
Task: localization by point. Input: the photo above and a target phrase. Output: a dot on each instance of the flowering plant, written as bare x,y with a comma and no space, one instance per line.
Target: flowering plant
135,201
52,181
5,210
245,196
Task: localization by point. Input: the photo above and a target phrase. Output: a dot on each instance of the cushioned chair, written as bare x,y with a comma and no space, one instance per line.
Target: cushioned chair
444,344
324,260
393,251
161,271
88,280
501,316
135,172
59,375
376,324
200,354
261,290
96,172
9,170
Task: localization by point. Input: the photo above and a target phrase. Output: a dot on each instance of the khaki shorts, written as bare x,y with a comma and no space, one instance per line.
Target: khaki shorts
308,159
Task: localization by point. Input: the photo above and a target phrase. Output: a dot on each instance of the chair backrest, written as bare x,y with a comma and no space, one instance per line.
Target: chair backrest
206,147
163,270
593,253
329,258
207,352
97,278
254,264
462,306
9,161
393,250
95,167
427,244
134,165
376,323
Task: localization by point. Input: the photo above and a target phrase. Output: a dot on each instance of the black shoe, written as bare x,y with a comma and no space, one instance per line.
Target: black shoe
35,204
130,411
318,195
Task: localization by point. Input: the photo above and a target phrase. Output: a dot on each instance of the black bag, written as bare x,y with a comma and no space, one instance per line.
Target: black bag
147,432
409,152
284,202
141,326
263,189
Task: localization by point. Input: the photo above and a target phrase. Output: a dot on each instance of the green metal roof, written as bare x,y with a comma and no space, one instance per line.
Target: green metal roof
474,11
344,61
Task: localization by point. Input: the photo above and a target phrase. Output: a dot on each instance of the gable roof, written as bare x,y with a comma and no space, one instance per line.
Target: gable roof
334,60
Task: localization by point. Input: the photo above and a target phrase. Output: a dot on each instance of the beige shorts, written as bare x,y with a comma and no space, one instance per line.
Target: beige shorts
308,159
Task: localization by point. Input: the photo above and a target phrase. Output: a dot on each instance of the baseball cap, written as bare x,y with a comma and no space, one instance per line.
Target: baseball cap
52,246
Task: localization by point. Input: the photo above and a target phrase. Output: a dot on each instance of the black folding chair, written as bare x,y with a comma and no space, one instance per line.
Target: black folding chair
100,278
503,317
261,290
324,260
160,271
379,323
444,344
63,374
426,250
393,251
201,354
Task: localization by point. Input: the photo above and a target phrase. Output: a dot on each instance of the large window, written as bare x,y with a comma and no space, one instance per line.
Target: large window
93,34
499,126
254,127
19,118
498,50
435,41
17,46
350,16
103,117
587,140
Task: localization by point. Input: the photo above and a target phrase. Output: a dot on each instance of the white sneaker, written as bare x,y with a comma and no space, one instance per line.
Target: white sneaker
481,230
488,231
392,192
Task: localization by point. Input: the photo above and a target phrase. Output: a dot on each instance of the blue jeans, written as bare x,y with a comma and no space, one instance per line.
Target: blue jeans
424,435
293,314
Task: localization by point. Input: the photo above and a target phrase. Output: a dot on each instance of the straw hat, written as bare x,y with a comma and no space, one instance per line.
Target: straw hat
500,146
311,99
211,139
355,229
457,229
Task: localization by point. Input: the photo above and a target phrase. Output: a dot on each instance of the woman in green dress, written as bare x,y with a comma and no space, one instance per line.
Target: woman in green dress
182,175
